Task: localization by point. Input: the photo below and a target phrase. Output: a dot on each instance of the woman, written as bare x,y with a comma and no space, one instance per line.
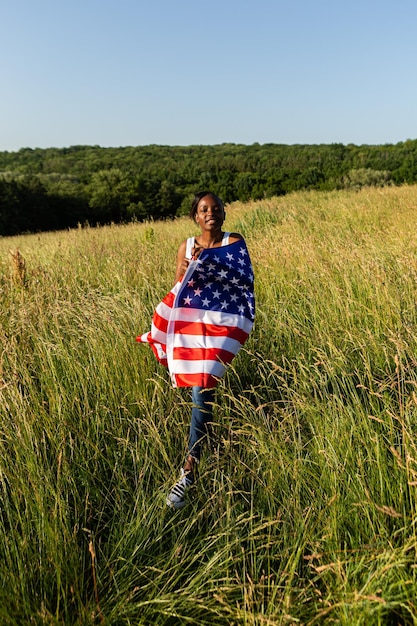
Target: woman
204,320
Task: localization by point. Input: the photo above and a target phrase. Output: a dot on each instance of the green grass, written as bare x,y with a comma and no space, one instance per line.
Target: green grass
307,515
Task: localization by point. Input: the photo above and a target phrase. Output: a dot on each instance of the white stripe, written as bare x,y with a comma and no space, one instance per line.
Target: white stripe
215,368
158,335
178,285
161,352
204,341
218,318
164,310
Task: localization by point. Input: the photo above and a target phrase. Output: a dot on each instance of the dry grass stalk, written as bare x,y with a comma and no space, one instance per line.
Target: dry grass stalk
18,269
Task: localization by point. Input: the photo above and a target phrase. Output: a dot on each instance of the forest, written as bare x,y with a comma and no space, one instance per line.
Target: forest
60,188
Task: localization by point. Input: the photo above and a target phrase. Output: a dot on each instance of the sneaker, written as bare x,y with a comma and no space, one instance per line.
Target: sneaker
176,497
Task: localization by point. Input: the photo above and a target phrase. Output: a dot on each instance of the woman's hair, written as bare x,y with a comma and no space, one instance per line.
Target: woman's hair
198,196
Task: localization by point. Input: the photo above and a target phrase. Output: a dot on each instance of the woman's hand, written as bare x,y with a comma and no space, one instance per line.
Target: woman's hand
183,267
183,262
196,251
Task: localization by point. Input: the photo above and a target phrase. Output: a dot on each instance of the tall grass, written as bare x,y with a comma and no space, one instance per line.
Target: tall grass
306,511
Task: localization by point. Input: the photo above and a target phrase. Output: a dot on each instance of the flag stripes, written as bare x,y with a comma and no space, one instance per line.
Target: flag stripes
201,324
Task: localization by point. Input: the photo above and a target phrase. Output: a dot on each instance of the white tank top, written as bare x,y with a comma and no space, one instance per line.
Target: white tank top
191,240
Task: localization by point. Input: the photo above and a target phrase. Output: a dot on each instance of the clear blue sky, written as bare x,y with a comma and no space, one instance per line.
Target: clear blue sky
186,72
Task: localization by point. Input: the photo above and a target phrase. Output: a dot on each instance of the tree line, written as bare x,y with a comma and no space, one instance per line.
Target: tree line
58,188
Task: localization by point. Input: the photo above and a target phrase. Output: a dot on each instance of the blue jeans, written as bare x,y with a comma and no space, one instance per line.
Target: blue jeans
201,418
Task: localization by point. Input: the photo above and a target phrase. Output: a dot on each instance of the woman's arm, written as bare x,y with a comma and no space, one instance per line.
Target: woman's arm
182,262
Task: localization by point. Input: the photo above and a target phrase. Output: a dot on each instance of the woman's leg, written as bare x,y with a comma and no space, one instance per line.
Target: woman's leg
200,428
201,419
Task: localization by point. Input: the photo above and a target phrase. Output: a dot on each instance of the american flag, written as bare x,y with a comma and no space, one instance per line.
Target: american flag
205,319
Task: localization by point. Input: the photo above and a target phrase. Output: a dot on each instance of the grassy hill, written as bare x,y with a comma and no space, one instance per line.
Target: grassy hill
306,513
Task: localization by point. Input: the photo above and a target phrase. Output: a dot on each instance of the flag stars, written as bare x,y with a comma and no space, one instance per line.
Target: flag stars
221,283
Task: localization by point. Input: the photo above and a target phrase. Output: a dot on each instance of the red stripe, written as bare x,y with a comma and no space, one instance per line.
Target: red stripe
199,380
203,354
211,330
169,299
160,322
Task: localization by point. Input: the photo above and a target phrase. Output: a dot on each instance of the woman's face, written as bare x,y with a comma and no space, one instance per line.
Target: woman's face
210,213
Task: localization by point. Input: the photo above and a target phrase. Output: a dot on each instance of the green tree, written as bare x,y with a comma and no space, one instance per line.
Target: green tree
110,193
